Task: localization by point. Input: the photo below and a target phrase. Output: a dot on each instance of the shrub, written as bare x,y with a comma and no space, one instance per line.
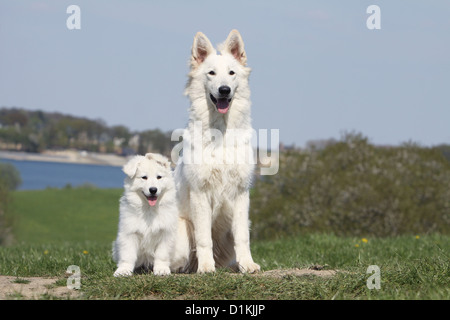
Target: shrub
354,188
9,176
9,180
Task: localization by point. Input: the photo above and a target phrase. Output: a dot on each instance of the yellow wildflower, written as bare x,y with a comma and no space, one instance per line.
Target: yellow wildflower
85,252
417,237
357,245
45,251
364,240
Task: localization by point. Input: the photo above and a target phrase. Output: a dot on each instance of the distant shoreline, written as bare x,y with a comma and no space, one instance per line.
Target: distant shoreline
66,156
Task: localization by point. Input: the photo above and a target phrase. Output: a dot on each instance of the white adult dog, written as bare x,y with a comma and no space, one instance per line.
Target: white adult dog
214,174
149,221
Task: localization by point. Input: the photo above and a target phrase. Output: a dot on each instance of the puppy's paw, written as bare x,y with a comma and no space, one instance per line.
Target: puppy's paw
161,271
123,272
248,267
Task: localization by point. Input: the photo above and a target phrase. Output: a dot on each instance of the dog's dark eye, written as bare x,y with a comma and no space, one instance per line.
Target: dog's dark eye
158,177
231,72
212,73
144,177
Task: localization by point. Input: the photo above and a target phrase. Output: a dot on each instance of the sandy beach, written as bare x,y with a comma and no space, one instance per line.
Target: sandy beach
66,156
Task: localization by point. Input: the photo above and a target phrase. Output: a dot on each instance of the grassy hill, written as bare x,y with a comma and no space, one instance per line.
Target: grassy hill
71,214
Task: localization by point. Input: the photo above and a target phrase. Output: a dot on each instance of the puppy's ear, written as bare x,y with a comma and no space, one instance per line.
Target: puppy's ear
201,49
160,159
131,166
235,46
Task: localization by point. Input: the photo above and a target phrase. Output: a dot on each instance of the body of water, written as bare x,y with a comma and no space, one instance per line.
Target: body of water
40,175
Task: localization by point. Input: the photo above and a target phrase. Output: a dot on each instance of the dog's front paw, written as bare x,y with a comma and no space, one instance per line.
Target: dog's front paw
206,267
123,272
248,267
161,271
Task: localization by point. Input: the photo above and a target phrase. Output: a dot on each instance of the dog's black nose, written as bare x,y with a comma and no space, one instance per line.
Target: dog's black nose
224,90
153,190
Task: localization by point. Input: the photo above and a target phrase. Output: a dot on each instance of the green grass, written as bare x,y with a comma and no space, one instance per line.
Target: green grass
410,269
72,214
58,228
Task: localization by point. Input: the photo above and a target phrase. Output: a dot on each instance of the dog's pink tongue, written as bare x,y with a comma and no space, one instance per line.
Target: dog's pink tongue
222,105
152,201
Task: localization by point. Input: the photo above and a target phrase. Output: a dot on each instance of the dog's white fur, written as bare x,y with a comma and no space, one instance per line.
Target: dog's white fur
215,195
147,233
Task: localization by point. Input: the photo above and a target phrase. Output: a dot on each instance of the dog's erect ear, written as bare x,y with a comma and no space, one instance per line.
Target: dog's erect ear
131,166
201,48
160,159
235,46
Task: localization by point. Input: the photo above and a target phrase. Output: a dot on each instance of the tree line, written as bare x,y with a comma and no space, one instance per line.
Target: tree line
36,131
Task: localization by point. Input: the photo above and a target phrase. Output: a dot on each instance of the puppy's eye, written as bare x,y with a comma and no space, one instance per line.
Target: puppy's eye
212,73
158,177
231,72
144,177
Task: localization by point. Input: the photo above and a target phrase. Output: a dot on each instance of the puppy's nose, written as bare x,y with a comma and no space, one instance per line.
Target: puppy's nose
153,190
224,90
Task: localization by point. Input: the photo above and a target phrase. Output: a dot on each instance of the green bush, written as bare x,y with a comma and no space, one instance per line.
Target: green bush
9,180
354,188
9,176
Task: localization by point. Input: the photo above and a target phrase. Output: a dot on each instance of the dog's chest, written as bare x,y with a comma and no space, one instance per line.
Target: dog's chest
223,169
224,179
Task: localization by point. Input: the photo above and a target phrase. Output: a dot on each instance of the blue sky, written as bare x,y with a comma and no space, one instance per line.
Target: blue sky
317,70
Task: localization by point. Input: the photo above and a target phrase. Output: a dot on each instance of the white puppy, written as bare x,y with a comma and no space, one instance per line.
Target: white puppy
148,219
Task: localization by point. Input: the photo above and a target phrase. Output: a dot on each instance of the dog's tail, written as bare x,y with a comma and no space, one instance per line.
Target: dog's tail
192,261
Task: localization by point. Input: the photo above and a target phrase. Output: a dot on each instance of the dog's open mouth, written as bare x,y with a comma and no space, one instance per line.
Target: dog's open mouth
151,199
222,104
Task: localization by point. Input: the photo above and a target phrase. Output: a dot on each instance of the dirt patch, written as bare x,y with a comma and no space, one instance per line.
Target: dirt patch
33,288
281,273
315,270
